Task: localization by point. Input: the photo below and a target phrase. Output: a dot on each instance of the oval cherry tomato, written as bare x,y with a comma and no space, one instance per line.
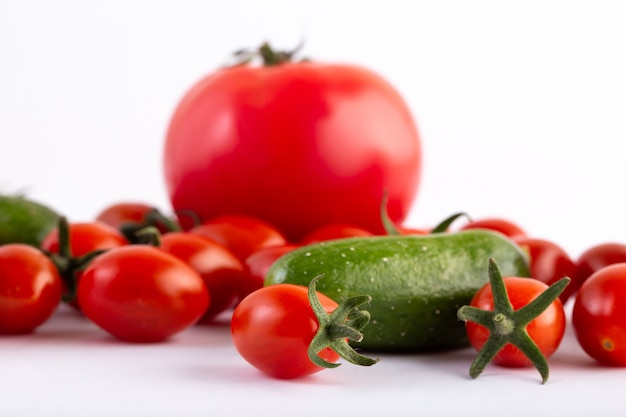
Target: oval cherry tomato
549,262
506,227
273,327
139,293
242,235
547,329
599,315
334,231
118,214
222,272
257,265
597,257
30,288
299,145
86,237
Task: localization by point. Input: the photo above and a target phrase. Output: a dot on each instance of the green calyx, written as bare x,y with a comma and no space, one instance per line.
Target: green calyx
336,329
66,263
153,218
509,326
269,56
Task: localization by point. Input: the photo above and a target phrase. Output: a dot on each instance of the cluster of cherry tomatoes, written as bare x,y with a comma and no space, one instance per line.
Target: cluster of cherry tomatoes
146,281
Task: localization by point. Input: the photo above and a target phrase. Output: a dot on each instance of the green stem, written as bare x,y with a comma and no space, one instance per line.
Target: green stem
507,325
335,330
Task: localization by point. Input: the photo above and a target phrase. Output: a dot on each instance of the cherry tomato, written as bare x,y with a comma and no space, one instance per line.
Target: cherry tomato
334,231
549,262
258,264
86,237
120,213
599,315
506,227
141,294
273,327
547,329
222,272
298,144
597,257
242,235
30,288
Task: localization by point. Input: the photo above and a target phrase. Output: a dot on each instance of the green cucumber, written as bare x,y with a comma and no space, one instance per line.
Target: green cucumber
417,283
23,220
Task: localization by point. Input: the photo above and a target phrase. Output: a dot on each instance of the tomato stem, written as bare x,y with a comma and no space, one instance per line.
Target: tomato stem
152,218
337,328
269,56
509,326
66,263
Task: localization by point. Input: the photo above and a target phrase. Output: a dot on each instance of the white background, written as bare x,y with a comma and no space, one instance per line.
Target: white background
520,105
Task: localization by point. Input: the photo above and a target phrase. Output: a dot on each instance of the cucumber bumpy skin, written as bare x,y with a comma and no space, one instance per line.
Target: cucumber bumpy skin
417,283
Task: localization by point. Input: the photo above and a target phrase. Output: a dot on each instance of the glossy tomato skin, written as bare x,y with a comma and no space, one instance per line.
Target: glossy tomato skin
599,315
334,231
549,262
504,226
299,145
546,330
257,265
273,327
222,272
242,235
141,294
86,237
30,288
120,213
597,257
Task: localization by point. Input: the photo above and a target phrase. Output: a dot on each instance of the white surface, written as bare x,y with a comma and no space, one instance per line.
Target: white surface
71,368
521,108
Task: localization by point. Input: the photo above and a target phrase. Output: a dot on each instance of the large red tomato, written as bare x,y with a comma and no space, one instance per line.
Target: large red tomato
297,144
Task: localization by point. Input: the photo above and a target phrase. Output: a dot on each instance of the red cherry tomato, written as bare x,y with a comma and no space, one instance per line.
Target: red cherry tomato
506,227
141,294
273,327
222,272
242,235
258,264
597,257
547,329
334,231
299,145
549,262
30,288
599,315
86,237
120,213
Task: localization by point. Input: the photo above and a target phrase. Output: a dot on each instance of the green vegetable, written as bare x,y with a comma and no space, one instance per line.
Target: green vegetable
417,283
25,221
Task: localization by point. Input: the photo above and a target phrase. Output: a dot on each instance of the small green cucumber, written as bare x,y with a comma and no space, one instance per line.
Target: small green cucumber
23,220
417,283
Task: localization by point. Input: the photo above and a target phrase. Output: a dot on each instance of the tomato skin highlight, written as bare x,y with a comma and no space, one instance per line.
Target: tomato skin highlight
271,142
599,315
549,262
30,288
221,271
597,257
141,294
86,237
547,329
242,235
273,327
506,227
